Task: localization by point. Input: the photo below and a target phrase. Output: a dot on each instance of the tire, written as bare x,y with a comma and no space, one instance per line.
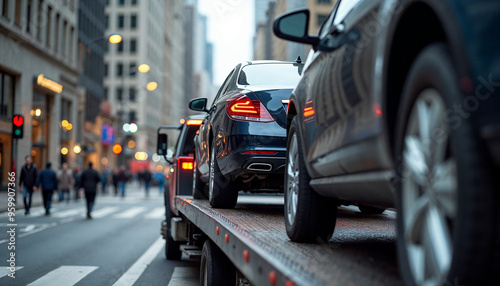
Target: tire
309,217
445,195
172,248
215,268
221,193
198,185
370,210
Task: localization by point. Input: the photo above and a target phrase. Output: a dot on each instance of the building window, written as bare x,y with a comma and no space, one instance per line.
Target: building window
133,46
119,94
56,45
28,15
121,2
106,70
119,69
132,116
321,19
6,94
106,94
132,69
131,94
120,47
133,21
134,2
324,1
64,40
17,14
5,8
39,20
49,26
71,41
107,21
121,21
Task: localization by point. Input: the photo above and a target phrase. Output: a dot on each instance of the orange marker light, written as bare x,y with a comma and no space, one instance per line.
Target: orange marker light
272,277
194,122
246,255
217,230
226,238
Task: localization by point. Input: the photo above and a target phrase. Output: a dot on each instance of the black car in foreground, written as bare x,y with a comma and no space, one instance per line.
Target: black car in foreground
242,140
399,106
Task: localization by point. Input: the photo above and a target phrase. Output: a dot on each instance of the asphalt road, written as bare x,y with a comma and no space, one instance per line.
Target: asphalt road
122,245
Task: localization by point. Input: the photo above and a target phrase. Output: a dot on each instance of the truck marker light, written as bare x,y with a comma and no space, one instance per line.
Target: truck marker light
187,165
246,256
217,230
185,205
289,283
226,238
194,122
272,277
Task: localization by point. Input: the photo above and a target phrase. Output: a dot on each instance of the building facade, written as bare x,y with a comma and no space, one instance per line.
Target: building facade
38,80
135,97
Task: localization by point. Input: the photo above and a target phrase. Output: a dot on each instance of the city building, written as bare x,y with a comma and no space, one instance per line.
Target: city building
38,80
94,109
135,95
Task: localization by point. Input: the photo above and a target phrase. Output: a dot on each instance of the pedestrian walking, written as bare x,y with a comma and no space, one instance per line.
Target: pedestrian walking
47,182
29,174
104,179
77,174
122,180
147,177
89,180
66,182
114,177
158,176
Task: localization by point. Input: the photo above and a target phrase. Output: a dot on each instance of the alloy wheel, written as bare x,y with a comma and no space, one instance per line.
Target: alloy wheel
292,191
429,190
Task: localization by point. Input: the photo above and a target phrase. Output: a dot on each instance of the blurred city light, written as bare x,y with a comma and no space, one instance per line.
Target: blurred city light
133,127
144,68
115,38
64,151
151,86
77,149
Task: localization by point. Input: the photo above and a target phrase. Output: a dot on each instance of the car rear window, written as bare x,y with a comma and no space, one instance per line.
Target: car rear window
270,74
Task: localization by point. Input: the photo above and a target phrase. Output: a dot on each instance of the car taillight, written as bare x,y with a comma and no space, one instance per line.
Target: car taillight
194,122
185,163
243,108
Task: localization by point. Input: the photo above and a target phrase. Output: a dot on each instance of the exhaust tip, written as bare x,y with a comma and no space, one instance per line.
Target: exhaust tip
260,167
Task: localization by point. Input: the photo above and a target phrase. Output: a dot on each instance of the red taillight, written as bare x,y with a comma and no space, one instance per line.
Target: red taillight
243,108
194,122
185,163
257,152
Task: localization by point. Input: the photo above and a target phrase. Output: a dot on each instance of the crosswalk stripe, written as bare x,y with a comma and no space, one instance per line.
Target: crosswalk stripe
131,212
68,213
135,271
4,270
64,275
104,212
185,276
156,213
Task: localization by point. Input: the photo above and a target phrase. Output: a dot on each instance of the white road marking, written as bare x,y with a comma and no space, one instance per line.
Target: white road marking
135,271
131,212
156,213
28,228
4,270
185,276
104,212
64,275
68,213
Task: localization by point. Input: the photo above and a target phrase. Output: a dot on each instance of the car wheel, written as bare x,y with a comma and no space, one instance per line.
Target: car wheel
221,193
198,185
215,268
308,216
370,210
445,197
172,247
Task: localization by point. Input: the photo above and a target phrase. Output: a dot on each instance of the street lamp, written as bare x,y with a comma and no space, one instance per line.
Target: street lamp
115,38
151,86
143,68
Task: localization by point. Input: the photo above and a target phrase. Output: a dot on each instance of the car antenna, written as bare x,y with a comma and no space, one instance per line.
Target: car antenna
298,60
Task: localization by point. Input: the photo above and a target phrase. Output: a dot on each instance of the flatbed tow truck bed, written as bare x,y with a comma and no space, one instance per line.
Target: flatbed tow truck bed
253,237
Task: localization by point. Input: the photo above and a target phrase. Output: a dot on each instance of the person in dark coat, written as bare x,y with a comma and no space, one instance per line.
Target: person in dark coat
89,180
29,174
47,181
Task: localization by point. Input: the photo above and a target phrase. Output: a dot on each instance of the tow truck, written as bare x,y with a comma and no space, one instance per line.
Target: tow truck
248,245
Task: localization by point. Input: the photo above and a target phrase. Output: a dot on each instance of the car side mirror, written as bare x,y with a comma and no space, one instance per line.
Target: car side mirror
198,104
294,26
162,144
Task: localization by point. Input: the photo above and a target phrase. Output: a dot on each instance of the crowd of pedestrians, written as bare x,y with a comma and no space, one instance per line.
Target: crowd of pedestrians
71,184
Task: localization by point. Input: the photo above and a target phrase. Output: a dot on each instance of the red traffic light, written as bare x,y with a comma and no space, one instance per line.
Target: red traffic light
18,120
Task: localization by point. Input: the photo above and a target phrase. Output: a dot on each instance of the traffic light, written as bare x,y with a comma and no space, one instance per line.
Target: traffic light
17,126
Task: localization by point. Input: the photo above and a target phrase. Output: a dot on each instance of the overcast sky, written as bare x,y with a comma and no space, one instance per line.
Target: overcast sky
231,29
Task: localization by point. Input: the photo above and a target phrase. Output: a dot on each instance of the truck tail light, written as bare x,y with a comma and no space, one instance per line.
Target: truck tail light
185,163
243,108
